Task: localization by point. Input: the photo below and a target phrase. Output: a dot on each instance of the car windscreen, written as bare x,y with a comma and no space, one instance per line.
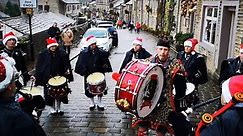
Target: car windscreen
96,33
105,22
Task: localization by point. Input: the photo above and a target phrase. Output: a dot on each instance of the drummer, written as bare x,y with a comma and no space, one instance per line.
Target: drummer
52,61
90,60
137,52
13,120
194,64
179,123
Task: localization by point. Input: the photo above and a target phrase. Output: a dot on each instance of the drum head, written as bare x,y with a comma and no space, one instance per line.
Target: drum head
190,87
95,78
57,81
150,91
34,91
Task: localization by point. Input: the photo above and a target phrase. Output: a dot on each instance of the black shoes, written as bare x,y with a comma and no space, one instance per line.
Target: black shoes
100,108
91,107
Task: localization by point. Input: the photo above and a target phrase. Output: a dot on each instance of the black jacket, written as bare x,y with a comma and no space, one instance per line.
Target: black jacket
90,61
195,67
229,68
14,122
142,54
20,65
49,66
229,123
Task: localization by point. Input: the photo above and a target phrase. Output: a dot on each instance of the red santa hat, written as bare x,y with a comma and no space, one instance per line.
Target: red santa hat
91,40
241,48
8,36
191,42
7,71
138,41
231,86
51,42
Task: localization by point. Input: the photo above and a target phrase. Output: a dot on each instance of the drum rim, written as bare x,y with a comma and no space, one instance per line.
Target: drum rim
96,83
25,90
158,98
188,91
59,77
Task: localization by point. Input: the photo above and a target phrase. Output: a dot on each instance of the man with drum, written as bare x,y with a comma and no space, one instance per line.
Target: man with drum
195,65
10,42
137,52
13,120
228,120
168,111
52,61
93,61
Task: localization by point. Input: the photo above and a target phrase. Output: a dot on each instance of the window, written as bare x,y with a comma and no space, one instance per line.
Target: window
210,23
40,7
46,8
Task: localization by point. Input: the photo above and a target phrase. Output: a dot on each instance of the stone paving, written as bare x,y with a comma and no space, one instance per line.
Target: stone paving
79,121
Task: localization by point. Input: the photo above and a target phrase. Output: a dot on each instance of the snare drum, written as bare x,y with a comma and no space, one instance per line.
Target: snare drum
139,88
190,94
58,87
96,83
37,102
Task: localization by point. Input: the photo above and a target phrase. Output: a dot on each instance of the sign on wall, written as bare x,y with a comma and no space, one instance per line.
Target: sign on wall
27,3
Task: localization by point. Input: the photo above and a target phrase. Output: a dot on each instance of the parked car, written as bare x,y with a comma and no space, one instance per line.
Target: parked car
105,24
104,39
111,29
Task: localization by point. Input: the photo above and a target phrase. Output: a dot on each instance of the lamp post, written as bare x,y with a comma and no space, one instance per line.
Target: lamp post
29,12
28,6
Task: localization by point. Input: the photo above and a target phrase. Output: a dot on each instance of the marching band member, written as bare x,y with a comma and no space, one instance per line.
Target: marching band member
10,42
194,64
51,62
137,52
168,111
231,67
90,60
13,120
227,121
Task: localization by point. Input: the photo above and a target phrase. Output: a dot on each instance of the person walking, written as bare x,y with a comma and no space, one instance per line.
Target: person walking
52,61
91,60
195,65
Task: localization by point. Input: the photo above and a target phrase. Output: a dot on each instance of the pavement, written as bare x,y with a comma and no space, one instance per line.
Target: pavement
78,120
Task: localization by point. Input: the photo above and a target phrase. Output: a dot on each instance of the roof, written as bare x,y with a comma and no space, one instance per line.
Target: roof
71,1
40,22
118,3
129,2
2,15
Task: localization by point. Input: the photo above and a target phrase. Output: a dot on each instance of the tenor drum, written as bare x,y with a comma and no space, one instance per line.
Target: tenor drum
58,87
96,83
139,88
190,94
37,102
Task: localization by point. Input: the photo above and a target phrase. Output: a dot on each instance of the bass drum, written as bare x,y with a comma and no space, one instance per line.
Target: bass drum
139,88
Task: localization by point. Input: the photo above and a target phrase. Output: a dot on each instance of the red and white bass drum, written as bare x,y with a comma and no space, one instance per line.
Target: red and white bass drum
139,87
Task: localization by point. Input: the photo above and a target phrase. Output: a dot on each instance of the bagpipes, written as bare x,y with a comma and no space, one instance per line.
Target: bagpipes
208,118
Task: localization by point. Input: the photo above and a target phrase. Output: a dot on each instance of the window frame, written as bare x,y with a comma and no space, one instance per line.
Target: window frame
214,20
